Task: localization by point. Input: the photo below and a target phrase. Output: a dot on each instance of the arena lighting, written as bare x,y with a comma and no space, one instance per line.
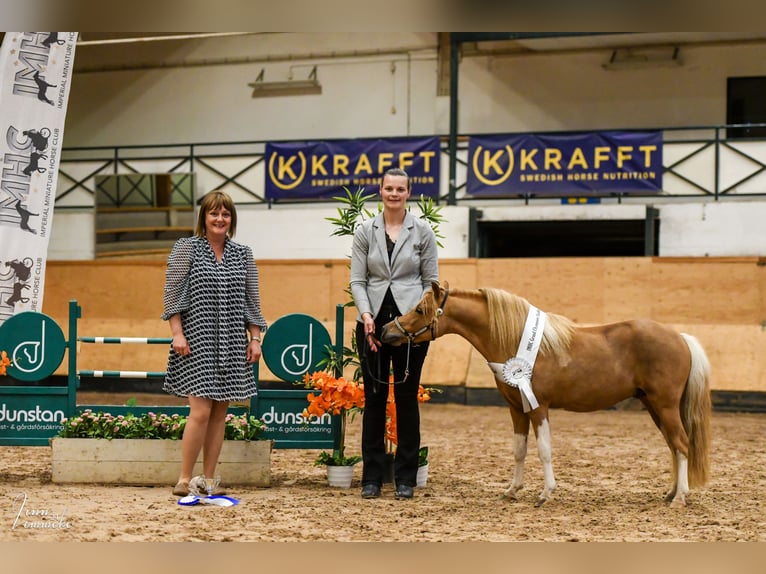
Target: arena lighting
308,87
631,59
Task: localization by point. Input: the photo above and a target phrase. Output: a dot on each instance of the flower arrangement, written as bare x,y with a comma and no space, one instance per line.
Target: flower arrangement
5,362
151,426
337,396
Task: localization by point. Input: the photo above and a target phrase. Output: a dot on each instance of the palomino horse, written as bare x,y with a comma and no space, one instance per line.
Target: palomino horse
579,369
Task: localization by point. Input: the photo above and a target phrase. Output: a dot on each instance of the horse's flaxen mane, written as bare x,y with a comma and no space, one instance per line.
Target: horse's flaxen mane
507,316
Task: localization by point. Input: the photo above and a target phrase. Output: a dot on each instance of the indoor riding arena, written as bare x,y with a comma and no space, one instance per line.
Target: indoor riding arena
612,467
601,176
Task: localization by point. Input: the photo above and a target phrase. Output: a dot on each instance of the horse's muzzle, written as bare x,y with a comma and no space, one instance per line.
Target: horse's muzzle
391,335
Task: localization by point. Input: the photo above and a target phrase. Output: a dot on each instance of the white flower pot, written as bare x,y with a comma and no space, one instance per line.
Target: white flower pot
340,476
422,476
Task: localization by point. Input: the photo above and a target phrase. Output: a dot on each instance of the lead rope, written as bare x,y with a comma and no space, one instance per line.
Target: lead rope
366,367
410,338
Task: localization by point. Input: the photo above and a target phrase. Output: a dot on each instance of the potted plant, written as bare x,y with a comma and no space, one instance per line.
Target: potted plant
336,396
146,449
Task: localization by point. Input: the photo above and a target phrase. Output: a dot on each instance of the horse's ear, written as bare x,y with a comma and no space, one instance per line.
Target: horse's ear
435,287
446,285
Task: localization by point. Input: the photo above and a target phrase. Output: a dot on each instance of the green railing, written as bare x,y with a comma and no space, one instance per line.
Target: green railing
698,162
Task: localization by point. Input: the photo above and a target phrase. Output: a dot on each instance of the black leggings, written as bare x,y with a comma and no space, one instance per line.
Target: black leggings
376,367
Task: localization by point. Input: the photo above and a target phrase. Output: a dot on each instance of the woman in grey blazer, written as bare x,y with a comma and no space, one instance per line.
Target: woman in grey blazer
393,261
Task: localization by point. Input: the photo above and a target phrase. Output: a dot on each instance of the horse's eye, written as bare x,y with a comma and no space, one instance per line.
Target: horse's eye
419,310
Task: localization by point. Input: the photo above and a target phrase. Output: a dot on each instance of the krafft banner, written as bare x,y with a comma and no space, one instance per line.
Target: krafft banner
35,75
567,164
315,170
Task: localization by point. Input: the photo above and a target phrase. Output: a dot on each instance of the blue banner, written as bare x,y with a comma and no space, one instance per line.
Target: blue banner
567,164
317,170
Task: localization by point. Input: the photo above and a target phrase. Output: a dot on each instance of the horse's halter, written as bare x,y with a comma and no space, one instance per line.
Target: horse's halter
411,337
431,325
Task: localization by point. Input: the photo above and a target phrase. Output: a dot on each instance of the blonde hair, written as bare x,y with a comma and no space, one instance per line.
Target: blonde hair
215,200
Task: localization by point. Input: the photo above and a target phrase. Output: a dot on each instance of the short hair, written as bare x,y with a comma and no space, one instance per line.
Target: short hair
399,172
215,200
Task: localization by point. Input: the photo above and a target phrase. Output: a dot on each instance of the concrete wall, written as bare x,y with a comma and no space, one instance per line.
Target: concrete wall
686,229
379,85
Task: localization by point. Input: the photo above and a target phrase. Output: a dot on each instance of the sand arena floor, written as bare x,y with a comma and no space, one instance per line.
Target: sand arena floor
612,469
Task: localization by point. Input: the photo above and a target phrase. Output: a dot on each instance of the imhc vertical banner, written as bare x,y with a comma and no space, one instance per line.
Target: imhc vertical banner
35,76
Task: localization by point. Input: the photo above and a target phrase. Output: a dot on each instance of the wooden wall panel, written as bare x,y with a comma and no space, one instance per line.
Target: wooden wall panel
105,289
737,354
625,295
297,287
447,361
462,273
572,287
720,300
706,290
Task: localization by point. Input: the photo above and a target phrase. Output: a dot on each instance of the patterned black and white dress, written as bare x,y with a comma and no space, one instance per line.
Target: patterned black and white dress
217,301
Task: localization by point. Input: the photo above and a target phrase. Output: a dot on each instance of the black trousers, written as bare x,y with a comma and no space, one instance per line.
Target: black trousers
375,375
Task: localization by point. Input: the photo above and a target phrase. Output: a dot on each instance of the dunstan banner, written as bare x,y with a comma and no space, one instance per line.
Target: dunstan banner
316,170
36,72
565,164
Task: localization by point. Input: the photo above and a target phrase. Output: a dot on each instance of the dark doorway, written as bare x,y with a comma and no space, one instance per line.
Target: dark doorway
746,104
592,238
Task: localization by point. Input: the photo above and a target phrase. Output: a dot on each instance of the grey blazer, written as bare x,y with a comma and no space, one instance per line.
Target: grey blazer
414,264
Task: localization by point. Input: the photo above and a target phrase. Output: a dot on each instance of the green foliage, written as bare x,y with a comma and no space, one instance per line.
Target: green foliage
423,456
151,426
334,363
354,213
432,214
349,217
243,427
334,459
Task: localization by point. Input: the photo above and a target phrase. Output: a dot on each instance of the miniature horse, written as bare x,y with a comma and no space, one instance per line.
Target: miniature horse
579,369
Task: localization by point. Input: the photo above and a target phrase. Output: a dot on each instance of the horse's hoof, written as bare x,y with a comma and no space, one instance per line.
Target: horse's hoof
512,493
678,502
670,496
540,502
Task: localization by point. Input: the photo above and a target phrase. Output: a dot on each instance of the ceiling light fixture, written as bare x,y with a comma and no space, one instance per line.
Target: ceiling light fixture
631,59
262,89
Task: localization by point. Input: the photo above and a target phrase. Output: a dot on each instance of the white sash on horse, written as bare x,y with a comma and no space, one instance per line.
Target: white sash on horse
517,371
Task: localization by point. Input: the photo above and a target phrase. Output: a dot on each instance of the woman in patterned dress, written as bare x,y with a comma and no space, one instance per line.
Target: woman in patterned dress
212,302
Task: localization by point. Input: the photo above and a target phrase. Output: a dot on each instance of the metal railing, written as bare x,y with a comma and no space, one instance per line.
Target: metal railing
702,162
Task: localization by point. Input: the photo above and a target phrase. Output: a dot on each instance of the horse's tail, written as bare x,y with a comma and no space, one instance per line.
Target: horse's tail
695,412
